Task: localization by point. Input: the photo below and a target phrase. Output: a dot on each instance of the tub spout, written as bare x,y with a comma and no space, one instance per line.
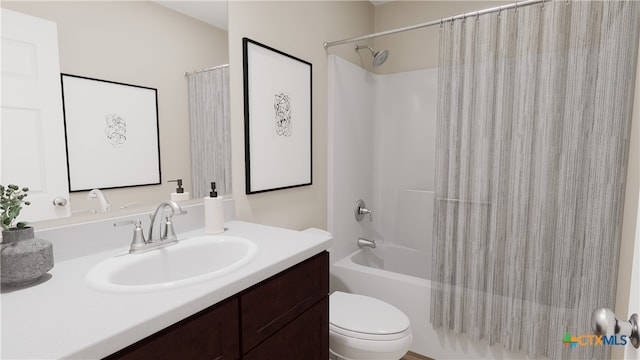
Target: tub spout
362,242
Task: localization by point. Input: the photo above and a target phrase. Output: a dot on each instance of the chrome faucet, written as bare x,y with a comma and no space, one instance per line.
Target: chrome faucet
97,194
362,242
167,234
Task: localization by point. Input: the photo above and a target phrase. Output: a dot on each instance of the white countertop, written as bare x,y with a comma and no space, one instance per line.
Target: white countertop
63,317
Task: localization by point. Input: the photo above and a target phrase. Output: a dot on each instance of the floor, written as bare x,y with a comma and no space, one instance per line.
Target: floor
412,356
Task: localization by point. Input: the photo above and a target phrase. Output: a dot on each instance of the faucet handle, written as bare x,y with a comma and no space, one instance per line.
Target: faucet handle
138,240
167,231
361,210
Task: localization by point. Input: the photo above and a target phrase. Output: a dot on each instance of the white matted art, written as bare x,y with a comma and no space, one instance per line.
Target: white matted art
111,133
277,106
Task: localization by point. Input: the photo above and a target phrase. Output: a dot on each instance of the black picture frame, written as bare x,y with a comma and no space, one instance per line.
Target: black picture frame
278,119
111,133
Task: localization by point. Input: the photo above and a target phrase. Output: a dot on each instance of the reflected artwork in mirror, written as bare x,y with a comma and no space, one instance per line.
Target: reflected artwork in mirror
111,131
89,45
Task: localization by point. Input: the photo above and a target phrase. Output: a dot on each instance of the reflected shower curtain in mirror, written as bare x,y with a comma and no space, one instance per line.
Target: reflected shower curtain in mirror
534,113
210,132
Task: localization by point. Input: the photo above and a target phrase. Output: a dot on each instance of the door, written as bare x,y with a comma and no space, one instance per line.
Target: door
634,295
32,145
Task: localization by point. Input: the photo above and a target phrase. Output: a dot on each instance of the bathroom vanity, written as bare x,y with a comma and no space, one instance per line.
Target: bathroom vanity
283,317
274,306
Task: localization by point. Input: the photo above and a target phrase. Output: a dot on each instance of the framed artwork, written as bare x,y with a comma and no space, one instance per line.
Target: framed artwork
111,132
277,116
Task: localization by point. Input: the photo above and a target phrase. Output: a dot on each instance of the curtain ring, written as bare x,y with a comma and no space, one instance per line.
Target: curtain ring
441,23
516,8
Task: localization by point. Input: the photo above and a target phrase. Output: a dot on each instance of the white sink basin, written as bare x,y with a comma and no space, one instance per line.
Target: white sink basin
190,261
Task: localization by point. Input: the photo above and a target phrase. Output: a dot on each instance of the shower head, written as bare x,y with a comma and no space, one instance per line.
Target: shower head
379,56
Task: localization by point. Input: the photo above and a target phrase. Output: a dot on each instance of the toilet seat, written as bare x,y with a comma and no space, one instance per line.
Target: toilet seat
364,336
366,318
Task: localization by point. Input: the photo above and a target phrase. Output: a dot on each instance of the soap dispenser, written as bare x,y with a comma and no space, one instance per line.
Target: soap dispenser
213,212
180,194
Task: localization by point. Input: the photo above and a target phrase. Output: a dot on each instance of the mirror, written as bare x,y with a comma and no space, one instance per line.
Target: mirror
144,43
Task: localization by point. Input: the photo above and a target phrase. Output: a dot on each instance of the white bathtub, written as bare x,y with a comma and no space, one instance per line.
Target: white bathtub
400,276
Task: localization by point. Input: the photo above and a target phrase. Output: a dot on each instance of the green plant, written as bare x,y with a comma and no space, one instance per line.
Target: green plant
11,200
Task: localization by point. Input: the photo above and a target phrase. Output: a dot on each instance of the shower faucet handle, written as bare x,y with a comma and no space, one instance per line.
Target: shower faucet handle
361,210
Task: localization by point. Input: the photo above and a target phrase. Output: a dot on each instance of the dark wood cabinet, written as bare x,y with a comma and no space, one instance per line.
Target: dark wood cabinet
273,303
306,337
283,317
209,334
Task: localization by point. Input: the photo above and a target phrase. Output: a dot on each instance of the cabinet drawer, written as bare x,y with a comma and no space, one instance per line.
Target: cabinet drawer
210,334
306,337
273,303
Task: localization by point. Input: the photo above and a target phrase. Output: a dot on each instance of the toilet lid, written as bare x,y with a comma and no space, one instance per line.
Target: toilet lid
358,314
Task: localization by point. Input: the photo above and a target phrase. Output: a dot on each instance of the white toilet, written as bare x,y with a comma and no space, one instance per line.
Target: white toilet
366,328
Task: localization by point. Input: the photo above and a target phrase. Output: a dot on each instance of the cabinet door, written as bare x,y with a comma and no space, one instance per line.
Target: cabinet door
210,334
307,337
270,305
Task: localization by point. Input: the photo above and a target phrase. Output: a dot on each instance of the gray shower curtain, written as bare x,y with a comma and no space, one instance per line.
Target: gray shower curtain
210,130
534,113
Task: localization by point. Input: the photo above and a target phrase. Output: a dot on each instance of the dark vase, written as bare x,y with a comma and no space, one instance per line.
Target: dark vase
25,258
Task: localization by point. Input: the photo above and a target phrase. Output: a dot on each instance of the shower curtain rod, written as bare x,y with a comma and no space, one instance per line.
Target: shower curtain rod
207,69
515,5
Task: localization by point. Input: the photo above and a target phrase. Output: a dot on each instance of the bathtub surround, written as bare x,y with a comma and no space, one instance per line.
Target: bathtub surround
351,162
373,155
533,120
